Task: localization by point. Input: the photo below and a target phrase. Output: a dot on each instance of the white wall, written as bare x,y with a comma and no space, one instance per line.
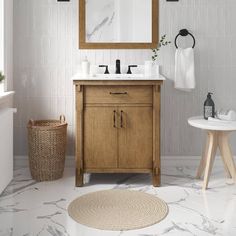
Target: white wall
1,35
6,48
8,43
46,55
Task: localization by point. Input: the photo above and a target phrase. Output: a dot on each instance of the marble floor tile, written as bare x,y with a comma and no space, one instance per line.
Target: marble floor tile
28,208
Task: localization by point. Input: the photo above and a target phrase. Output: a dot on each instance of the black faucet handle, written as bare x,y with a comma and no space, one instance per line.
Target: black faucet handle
106,71
129,68
118,66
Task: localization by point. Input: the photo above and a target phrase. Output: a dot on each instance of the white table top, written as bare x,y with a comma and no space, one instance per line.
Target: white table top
200,122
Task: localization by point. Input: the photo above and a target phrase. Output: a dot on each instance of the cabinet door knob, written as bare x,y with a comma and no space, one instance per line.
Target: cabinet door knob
121,119
114,119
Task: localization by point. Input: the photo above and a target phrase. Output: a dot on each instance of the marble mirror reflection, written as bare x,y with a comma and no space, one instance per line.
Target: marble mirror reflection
118,23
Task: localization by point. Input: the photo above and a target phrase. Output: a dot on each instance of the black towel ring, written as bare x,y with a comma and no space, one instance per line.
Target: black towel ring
184,32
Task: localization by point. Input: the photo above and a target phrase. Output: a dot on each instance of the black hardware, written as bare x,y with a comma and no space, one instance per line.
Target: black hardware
106,71
114,119
129,68
121,119
184,32
118,93
118,67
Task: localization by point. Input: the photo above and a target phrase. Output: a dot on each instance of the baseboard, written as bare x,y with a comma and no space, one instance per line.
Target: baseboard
22,161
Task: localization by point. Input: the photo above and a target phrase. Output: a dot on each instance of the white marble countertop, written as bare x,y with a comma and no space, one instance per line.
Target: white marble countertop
116,77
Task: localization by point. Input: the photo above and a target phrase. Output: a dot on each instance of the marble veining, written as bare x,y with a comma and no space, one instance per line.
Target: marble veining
97,28
118,21
28,208
100,21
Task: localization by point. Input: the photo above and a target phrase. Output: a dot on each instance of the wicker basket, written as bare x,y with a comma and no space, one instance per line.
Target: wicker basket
47,148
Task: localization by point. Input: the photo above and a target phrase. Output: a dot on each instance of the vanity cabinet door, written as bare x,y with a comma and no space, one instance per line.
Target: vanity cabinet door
135,137
100,137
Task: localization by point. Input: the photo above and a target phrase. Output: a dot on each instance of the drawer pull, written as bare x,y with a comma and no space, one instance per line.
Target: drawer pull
121,119
114,119
118,93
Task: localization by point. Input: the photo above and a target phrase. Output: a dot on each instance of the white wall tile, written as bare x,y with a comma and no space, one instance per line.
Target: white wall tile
46,55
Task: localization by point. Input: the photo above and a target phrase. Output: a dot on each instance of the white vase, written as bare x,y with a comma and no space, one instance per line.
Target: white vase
151,69
1,87
148,68
85,65
156,70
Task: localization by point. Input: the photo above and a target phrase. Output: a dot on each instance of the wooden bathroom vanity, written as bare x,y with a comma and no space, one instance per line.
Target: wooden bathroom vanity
118,127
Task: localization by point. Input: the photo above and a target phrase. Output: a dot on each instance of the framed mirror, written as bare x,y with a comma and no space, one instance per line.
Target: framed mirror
118,24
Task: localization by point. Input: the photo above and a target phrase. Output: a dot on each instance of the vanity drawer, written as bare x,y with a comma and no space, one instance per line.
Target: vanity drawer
118,94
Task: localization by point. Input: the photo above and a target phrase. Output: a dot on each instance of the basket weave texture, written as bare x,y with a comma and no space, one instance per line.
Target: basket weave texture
47,148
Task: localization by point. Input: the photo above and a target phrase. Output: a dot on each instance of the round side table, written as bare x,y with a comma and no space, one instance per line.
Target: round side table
217,136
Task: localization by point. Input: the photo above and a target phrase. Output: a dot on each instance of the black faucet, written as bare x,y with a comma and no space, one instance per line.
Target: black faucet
118,67
129,68
105,66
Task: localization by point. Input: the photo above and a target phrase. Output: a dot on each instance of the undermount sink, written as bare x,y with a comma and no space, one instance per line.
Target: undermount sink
119,76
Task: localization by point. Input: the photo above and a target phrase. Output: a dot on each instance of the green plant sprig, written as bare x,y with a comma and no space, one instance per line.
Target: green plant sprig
163,42
2,77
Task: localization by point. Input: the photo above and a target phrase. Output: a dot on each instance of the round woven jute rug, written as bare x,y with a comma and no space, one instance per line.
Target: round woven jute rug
118,210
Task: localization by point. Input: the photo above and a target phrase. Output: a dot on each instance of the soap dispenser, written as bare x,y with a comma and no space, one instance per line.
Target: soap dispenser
85,67
209,107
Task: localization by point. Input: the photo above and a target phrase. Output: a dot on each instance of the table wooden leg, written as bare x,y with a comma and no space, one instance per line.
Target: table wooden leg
202,164
211,152
226,154
223,158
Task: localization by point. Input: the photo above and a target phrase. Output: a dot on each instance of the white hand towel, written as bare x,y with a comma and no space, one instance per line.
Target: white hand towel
184,69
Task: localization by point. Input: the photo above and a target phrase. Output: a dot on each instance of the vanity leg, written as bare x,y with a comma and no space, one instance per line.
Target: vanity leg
156,171
79,178
156,177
